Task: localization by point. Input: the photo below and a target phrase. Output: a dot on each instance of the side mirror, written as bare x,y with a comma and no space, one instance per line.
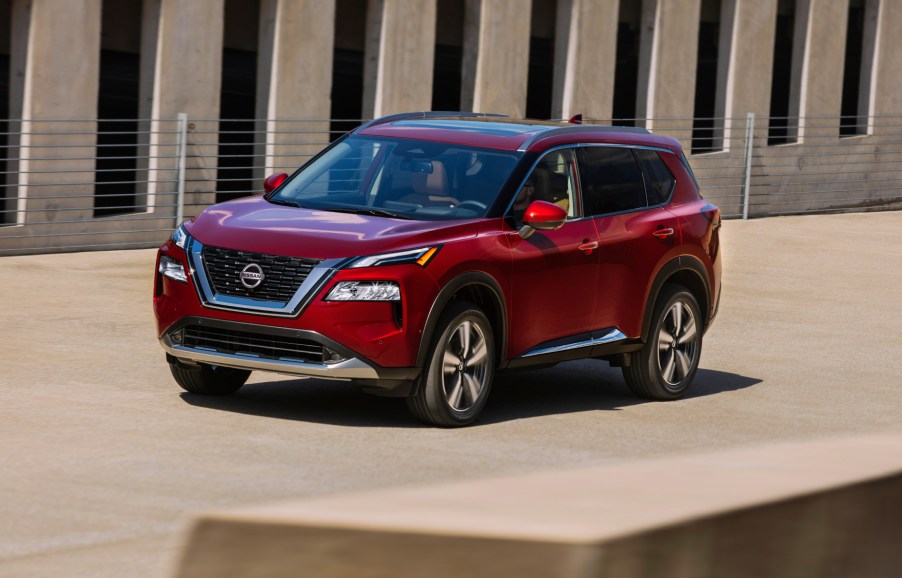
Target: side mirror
273,182
543,216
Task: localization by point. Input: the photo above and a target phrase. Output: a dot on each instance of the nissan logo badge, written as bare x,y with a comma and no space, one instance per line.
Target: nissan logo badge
251,276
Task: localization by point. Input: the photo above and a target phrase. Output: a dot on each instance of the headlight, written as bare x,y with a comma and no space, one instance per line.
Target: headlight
171,268
365,291
419,256
180,237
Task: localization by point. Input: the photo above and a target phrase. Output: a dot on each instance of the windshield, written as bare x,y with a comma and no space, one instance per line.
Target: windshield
401,178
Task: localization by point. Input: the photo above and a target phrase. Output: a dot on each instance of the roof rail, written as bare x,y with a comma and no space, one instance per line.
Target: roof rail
426,114
579,128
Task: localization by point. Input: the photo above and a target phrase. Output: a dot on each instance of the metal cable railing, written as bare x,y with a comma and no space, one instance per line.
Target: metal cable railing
123,183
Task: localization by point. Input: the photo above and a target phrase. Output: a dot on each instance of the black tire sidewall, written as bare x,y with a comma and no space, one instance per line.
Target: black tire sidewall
432,387
649,357
209,380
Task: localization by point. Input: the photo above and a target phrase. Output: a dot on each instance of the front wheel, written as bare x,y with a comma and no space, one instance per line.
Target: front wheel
665,366
458,376
206,379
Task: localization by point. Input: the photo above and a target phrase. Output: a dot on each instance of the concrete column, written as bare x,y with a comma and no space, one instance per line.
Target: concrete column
671,75
871,21
586,58
300,83
187,78
886,77
750,59
469,54
501,29
150,23
820,93
266,35
647,17
61,79
406,37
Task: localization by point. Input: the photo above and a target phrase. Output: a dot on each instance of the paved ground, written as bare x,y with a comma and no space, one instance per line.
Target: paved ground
102,460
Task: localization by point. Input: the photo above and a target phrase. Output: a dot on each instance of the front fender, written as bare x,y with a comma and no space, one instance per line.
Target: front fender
476,278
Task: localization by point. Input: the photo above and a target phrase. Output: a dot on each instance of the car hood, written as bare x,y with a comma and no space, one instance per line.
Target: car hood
255,225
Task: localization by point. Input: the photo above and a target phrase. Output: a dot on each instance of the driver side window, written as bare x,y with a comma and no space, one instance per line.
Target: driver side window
552,181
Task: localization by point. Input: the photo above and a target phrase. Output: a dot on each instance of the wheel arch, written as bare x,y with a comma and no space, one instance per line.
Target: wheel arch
479,288
688,272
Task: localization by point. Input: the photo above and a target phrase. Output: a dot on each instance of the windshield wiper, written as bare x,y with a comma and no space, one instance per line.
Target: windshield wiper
284,202
364,211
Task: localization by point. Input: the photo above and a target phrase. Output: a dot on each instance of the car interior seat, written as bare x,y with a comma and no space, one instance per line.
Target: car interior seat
430,189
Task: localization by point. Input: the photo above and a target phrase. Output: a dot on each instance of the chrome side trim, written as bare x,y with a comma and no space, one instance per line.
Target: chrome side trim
311,286
350,369
610,337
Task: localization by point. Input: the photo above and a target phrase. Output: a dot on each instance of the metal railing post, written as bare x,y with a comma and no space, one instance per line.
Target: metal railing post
747,175
182,156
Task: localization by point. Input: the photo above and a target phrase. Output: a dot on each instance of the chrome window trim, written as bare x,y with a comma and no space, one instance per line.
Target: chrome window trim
609,337
312,285
506,214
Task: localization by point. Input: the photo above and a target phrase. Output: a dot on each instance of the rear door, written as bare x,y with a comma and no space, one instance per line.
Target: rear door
635,230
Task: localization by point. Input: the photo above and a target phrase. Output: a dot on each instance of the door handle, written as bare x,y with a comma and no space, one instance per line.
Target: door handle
663,233
589,246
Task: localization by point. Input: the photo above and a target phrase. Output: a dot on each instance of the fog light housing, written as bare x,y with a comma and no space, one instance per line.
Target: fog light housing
171,268
177,337
365,291
331,356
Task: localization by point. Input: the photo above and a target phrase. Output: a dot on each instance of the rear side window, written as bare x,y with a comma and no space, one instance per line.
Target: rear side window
659,180
611,180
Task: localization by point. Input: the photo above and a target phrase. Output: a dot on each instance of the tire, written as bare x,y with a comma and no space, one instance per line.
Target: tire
456,381
209,379
664,368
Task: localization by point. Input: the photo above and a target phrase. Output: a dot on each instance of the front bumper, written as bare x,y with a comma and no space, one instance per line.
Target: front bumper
383,335
249,346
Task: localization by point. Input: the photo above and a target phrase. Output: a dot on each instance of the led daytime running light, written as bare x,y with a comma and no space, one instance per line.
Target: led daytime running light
419,256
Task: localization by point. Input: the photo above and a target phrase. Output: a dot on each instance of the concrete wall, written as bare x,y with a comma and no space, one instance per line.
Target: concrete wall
821,509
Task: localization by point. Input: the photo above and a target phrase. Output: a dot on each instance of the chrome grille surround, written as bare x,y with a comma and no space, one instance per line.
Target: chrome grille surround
282,275
314,281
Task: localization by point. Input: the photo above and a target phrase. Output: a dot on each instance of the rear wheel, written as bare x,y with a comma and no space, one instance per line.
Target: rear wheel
456,381
666,365
206,379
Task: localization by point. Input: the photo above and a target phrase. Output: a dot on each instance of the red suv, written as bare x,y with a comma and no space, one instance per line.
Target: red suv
421,253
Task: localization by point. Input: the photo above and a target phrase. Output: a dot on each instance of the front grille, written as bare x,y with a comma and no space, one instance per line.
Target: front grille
282,275
247,343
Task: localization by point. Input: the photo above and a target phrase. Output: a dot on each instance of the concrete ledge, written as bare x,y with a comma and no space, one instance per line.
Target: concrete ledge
823,508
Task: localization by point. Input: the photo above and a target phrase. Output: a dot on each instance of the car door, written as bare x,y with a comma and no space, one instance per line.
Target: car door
553,273
635,230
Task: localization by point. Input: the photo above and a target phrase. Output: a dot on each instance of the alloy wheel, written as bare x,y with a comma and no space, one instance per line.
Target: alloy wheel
464,365
677,344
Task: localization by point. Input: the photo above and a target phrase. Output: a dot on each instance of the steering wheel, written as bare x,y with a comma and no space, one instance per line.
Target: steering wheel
477,204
